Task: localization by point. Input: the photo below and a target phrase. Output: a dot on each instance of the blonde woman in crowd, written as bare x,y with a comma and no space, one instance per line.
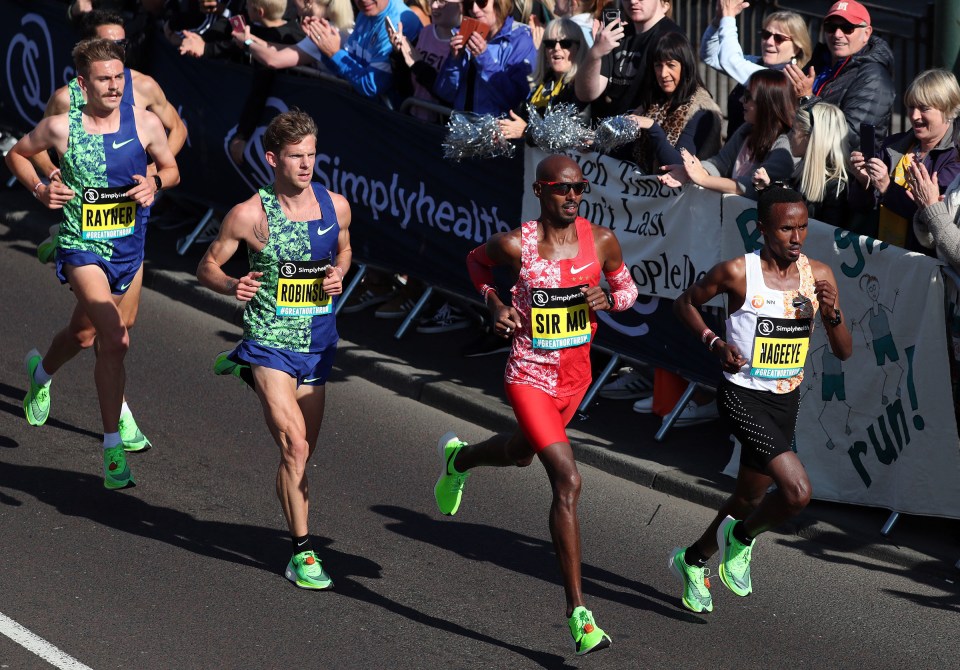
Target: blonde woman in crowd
819,139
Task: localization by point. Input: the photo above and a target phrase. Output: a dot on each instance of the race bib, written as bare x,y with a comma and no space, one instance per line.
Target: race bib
779,347
107,213
560,318
300,288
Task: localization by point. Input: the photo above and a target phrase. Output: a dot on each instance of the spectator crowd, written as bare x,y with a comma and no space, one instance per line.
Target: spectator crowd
813,109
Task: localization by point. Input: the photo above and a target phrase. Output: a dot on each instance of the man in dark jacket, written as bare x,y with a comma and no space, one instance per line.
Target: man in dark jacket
852,71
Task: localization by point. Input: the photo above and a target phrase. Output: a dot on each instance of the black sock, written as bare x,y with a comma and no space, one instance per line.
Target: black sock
740,534
301,544
694,557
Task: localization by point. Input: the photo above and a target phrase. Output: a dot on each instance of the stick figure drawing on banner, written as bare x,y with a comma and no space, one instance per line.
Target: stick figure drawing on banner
884,348
831,386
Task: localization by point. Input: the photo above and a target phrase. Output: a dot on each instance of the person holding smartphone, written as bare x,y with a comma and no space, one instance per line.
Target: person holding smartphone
612,73
884,180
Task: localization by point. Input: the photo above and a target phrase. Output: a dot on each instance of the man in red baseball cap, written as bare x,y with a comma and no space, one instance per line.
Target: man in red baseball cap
851,69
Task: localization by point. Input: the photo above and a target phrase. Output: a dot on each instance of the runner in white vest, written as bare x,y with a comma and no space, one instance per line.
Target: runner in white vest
773,296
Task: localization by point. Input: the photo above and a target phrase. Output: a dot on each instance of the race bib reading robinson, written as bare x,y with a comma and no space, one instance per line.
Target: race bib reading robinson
107,213
560,318
779,347
300,288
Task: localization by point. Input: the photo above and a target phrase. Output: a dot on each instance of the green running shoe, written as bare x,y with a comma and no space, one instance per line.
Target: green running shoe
306,571
224,366
734,559
116,472
449,487
133,440
36,404
587,636
696,583
48,248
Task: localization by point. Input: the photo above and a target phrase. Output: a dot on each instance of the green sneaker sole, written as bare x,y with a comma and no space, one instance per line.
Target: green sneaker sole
729,580
36,404
675,564
324,582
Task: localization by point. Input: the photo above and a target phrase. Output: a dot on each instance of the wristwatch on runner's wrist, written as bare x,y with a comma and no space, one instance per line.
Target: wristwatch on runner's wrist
157,181
836,320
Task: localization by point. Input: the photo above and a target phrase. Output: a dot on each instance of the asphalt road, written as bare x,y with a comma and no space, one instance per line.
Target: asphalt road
185,570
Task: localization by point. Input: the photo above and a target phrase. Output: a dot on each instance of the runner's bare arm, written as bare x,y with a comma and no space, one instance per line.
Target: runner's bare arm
153,137
50,133
149,93
237,226
841,342
59,103
726,277
333,283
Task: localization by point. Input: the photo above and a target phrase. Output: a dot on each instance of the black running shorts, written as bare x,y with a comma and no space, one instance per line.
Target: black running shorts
764,422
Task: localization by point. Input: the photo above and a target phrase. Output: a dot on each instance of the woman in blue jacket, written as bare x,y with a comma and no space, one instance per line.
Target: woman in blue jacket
488,75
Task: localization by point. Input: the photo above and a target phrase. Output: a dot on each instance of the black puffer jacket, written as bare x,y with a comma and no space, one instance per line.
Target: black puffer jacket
862,87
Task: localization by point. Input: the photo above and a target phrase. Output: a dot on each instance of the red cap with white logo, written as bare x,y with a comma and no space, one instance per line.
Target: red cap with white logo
850,10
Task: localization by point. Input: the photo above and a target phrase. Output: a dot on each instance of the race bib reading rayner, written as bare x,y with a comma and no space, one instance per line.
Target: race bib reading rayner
300,288
779,347
107,213
560,318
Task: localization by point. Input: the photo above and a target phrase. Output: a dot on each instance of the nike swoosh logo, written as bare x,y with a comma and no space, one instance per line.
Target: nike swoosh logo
125,286
576,270
324,231
312,379
117,146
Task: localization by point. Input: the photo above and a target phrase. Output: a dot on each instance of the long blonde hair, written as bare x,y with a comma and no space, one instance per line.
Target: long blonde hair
827,149
560,29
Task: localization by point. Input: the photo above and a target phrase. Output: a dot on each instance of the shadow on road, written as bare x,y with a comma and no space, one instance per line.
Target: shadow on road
526,555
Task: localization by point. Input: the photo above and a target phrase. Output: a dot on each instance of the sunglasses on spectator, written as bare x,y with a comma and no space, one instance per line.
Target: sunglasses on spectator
777,37
564,187
482,4
845,28
121,43
564,44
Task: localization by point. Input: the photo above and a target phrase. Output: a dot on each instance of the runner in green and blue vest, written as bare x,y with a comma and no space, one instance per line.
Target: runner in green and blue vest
106,196
298,241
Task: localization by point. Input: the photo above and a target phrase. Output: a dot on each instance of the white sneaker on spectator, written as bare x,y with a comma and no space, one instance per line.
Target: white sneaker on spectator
447,318
397,308
628,385
693,414
366,298
644,406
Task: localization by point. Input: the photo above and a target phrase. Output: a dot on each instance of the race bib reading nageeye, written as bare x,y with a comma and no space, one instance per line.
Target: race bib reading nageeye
300,288
779,347
560,318
107,213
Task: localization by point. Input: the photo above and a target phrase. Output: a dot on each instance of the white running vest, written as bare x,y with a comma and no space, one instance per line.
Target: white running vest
768,331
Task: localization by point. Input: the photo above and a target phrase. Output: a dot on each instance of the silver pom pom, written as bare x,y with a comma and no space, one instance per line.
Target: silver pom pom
614,132
475,136
559,129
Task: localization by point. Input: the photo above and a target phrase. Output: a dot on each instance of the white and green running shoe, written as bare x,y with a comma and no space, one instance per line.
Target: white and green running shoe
449,487
36,404
116,472
696,583
734,559
587,636
306,571
48,248
133,440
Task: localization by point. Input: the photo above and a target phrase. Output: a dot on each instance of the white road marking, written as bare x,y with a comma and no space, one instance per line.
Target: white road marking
38,645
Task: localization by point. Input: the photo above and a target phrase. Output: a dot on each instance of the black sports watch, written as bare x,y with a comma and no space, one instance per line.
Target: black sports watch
836,320
157,181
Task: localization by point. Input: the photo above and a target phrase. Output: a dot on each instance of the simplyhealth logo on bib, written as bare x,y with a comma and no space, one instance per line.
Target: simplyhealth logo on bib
779,347
560,318
107,213
300,288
